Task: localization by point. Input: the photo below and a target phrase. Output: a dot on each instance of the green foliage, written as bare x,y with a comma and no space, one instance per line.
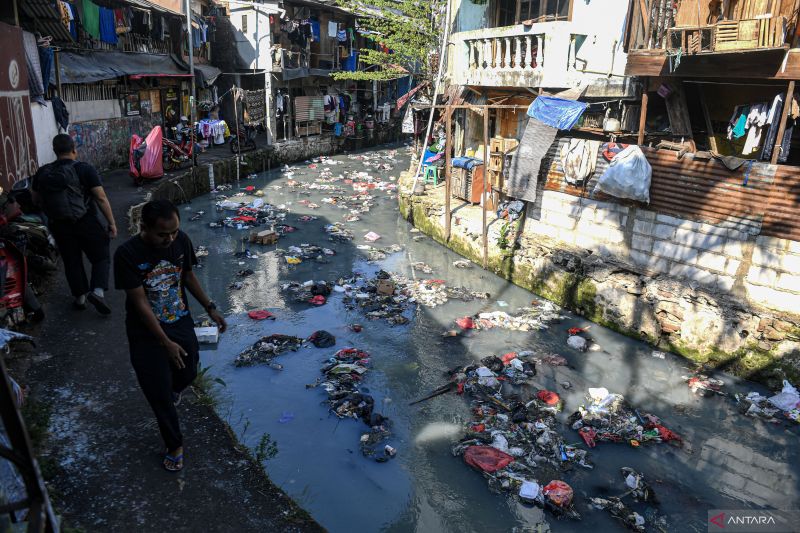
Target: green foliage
266,448
411,29
205,386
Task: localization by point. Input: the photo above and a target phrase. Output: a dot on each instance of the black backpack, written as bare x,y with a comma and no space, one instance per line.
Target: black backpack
62,194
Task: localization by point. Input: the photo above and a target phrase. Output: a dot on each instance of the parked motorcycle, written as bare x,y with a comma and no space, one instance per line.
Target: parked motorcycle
245,139
177,153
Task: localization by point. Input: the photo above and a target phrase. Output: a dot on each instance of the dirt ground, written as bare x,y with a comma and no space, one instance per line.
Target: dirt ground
99,445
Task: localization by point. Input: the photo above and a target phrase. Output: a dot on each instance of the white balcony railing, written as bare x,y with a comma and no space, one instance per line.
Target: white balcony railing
506,53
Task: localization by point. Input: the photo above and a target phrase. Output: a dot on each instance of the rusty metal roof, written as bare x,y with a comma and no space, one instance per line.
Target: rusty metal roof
45,19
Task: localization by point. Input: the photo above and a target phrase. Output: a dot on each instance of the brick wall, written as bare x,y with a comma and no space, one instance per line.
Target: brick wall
727,256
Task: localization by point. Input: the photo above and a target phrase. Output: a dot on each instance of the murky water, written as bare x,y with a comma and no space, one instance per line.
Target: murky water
728,462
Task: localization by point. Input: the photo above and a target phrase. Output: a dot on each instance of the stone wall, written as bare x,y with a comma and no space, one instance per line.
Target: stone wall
727,257
678,284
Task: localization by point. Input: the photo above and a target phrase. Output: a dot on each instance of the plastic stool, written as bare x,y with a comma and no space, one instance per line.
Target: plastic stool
431,174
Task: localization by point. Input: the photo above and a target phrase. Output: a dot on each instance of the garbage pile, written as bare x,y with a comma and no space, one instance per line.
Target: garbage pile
249,215
786,402
703,385
264,350
527,319
608,418
640,491
337,232
513,436
379,254
313,292
306,252
343,374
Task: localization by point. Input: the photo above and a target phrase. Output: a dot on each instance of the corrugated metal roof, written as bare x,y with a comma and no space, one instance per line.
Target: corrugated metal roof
46,20
703,190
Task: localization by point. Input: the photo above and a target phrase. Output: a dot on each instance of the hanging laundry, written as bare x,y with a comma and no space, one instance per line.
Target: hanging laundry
35,84
46,62
121,21
737,126
579,158
108,28
756,120
91,18
73,27
341,36
65,13
333,29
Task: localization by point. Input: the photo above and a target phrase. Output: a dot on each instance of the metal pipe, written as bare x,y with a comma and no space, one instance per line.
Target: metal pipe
484,199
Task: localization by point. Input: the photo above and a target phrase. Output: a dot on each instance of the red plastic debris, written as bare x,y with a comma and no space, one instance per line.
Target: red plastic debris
575,331
243,218
486,458
559,493
317,300
261,314
588,435
507,358
460,388
548,397
356,328
465,323
479,428
250,188
666,434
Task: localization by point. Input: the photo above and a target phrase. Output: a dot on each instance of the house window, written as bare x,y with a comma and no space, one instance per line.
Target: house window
544,10
244,23
506,13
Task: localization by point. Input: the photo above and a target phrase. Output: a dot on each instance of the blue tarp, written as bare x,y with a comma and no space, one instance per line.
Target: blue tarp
557,112
467,162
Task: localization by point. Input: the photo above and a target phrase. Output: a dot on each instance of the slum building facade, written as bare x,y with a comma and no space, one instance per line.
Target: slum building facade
708,262
107,69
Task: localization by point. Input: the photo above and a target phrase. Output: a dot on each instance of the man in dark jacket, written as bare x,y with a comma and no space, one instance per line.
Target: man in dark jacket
70,193
154,268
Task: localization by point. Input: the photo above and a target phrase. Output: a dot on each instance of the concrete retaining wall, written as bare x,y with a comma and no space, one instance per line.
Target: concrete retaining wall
726,257
715,294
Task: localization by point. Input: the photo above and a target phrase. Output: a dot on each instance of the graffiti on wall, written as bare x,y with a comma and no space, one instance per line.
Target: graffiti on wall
18,152
105,143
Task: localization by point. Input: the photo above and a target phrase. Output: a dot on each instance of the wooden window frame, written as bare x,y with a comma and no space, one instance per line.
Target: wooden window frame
543,18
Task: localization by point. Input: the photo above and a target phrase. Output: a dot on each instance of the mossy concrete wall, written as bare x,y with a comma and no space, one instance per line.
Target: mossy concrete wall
704,325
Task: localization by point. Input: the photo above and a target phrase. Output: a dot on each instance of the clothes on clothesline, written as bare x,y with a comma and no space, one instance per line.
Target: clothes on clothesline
216,130
756,120
107,25
91,18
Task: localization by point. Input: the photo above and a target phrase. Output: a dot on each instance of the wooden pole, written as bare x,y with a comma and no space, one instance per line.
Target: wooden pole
448,146
643,113
787,104
712,141
485,180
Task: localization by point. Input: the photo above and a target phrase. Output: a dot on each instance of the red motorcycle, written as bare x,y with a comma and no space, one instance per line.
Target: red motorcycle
177,153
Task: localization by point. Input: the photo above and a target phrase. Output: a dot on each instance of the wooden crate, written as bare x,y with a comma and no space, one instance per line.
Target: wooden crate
496,144
738,35
467,185
509,144
264,237
496,179
496,161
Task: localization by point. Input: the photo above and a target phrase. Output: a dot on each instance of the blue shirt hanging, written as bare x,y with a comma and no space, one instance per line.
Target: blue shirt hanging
108,28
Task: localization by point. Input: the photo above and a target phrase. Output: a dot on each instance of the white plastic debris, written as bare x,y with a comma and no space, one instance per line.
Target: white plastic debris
787,399
371,236
659,355
529,490
577,342
207,335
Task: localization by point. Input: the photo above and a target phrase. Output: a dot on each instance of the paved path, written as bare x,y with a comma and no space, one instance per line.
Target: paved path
103,434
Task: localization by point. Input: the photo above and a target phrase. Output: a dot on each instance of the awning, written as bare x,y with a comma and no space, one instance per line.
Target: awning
206,74
303,72
97,66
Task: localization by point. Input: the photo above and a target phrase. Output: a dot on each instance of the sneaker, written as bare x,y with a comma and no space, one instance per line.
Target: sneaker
99,303
79,306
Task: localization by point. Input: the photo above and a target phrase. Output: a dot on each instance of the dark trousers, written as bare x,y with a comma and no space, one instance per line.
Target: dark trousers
159,378
74,240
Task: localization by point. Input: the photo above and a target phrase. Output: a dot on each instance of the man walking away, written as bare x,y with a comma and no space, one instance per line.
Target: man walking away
154,268
70,192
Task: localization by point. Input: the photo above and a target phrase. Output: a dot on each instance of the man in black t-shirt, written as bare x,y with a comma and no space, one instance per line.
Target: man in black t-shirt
87,235
154,268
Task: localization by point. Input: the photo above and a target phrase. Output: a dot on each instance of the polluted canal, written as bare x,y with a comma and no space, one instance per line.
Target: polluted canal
523,428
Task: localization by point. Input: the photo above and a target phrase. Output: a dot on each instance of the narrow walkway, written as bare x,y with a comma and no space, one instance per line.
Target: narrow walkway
105,442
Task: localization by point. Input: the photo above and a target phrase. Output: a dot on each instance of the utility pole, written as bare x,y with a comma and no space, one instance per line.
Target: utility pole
193,93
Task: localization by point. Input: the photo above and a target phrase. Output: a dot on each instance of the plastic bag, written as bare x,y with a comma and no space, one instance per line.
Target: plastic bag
145,156
486,458
627,176
787,399
559,493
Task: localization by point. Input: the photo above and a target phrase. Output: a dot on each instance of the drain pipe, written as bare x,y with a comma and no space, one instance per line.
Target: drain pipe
442,52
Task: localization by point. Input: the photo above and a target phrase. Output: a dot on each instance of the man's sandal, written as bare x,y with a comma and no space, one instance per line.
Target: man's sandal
173,464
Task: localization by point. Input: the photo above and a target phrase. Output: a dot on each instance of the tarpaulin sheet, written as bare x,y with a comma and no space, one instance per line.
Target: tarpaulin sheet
295,73
206,74
557,112
97,66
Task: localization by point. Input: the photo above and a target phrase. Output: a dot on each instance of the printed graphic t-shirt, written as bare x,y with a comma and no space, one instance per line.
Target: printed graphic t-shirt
162,272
